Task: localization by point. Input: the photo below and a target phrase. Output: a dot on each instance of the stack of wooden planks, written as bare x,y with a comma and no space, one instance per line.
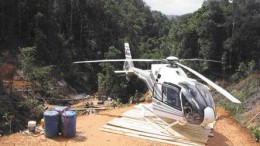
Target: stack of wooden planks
140,122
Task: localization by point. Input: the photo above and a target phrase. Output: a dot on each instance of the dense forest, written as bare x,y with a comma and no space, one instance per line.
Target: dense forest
44,37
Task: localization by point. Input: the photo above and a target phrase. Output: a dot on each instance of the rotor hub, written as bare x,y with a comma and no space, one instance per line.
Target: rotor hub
173,60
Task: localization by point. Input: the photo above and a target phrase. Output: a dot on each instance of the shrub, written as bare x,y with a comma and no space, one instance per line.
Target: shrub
256,133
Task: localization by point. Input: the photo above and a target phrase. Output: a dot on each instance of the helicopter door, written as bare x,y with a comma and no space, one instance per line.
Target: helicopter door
171,96
167,102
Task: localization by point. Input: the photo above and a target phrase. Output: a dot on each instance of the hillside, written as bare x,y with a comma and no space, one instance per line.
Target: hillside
248,91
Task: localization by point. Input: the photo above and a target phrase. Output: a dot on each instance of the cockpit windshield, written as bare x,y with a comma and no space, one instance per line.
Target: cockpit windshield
199,93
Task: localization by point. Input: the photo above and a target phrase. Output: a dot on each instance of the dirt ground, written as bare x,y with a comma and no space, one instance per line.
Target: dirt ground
227,133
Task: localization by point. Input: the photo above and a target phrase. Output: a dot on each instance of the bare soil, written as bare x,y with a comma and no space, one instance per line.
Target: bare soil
227,133
20,84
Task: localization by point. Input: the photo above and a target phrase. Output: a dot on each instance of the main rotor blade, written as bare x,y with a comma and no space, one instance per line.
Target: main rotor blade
118,60
218,88
198,59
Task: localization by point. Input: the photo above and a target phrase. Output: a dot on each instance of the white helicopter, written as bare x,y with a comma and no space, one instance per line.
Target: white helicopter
175,96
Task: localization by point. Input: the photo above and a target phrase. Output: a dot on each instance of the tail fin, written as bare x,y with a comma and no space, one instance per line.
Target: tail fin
128,64
127,51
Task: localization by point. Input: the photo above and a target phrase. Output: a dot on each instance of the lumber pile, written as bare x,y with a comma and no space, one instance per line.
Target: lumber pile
140,122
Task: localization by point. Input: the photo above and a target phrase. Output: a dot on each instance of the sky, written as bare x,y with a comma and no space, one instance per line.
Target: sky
174,7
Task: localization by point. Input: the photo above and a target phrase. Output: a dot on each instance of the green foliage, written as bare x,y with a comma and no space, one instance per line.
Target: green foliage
241,96
34,73
251,66
256,133
66,31
112,53
109,83
243,70
42,74
234,109
26,59
219,30
15,112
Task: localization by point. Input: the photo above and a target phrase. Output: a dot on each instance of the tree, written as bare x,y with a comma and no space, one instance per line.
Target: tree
39,76
109,83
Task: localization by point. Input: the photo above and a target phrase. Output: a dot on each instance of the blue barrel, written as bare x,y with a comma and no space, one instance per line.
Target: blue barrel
68,119
60,109
51,119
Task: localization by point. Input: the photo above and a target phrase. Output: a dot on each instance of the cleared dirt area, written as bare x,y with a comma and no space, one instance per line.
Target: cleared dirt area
227,133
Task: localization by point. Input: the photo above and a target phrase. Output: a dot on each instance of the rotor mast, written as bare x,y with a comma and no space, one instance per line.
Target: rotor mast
173,61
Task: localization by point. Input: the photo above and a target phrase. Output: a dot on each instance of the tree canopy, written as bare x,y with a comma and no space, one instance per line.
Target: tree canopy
219,30
62,32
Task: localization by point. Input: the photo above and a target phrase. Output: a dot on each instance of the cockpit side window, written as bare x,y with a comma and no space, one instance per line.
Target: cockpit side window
171,96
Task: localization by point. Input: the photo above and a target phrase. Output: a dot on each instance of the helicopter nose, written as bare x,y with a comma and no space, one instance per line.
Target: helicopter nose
209,116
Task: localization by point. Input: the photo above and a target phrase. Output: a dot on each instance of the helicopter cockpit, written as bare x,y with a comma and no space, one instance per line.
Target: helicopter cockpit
189,98
195,99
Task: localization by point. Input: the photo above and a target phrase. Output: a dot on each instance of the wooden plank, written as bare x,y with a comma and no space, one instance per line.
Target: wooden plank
140,127
148,108
193,135
165,137
195,132
175,130
145,127
136,113
162,137
149,137
143,137
142,123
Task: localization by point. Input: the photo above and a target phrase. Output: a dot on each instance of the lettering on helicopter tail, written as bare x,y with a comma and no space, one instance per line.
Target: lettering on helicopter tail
128,64
127,51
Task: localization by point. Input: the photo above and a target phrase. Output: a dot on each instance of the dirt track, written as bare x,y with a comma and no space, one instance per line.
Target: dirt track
227,133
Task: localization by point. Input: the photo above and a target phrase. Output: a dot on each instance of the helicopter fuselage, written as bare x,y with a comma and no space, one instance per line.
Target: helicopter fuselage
177,97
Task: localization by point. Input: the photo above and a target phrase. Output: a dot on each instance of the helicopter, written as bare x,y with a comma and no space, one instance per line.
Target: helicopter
175,96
